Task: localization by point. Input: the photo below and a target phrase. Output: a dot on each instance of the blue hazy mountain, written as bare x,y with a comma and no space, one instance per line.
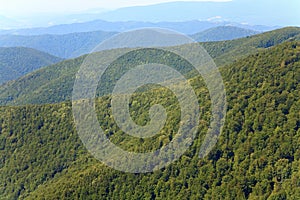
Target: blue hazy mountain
64,46
186,27
76,44
267,12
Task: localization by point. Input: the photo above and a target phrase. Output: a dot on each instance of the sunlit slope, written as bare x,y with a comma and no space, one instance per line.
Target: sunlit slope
18,61
55,83
257,155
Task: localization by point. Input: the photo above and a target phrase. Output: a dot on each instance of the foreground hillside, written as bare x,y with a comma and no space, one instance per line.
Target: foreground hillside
54,84
257,155
18,61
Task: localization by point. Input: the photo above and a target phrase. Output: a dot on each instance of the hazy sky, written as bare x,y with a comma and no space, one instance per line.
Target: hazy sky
25,7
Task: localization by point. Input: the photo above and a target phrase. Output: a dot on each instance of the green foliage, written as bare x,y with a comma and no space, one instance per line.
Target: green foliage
54,84
222,33
226,52
18,61
257,155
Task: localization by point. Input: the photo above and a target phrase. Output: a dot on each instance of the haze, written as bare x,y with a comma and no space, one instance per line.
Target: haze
15,8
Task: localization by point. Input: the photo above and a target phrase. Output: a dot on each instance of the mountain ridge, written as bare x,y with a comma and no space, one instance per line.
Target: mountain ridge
222,33
186,27
76,44
18,61
64,46
60,77
257,154
204,10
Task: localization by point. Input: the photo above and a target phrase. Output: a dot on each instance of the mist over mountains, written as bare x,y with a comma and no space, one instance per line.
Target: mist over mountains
76,44
242,11
245,12
186,27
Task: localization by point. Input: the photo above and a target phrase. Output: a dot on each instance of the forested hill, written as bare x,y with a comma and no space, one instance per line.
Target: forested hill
64,46
54,84
222,33
225,52
76,44
18,61
257,155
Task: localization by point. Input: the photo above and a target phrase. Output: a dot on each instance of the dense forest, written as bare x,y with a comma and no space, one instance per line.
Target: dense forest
222,33
257,155
18,61
54,84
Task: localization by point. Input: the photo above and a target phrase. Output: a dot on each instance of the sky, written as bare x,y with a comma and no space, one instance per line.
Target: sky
12,8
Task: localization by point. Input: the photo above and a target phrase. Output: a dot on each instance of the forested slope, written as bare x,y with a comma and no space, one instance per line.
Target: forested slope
18,61
225,52
55,83
257,155
222,33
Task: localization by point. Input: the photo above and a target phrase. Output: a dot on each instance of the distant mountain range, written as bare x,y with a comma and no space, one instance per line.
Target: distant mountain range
223,33
186,27
18,61
54,84
64,46
267,12
255,12
76,44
